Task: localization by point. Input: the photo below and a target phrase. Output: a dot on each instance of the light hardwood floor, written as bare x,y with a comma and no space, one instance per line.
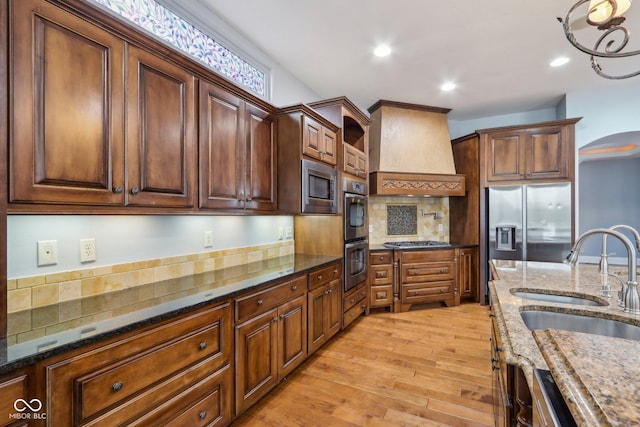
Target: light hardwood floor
421,368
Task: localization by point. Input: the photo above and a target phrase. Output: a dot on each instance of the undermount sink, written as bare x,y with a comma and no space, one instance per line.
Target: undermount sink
556,297
537,319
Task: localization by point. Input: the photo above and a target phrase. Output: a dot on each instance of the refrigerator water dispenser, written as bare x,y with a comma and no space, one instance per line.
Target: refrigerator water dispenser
506,238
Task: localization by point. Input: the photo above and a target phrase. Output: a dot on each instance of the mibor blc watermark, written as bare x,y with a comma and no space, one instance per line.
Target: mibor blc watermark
28,410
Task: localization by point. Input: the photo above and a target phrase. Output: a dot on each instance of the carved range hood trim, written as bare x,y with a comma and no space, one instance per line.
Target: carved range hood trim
410,151
395,183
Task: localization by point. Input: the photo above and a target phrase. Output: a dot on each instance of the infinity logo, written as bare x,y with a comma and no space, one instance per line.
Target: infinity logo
22,405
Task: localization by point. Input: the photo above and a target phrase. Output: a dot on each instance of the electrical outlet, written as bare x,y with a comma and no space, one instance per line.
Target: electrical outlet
208,239
47,252
87,250
289,232
280,233
440,228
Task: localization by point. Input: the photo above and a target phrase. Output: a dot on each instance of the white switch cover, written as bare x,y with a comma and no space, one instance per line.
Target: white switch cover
280,233
208,239
289,232
440,228
47,252
87,250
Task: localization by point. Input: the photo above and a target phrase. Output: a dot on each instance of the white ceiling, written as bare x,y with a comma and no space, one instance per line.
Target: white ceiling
497,51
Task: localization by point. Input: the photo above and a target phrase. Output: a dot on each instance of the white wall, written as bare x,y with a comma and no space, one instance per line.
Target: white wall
458,128
129,238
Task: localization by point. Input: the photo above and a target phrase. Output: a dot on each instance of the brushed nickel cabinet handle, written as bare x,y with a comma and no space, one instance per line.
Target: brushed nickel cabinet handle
294,288
117,386
135,191
203,345
319,277
260,302
117,190
202,415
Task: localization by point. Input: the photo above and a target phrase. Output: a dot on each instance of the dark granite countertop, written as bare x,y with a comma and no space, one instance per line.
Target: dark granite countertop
376,248
71,324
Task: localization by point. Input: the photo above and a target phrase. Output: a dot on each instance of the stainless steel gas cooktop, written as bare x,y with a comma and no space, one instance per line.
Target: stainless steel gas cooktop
414,244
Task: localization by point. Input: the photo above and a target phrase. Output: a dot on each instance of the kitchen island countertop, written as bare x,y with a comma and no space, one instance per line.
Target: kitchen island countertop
597,375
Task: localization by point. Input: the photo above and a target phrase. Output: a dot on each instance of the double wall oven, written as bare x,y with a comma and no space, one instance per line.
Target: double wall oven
356,229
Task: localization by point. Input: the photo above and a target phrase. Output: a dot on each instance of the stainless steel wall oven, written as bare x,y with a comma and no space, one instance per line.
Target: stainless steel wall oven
356,228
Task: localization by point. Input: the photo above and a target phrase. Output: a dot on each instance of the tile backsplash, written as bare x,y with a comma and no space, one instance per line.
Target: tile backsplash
41,290
395,218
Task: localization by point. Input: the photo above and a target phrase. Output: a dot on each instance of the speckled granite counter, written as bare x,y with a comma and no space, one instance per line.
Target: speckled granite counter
597,375
61,327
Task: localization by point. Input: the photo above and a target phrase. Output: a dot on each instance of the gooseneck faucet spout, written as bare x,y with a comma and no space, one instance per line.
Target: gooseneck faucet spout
629,294
603,267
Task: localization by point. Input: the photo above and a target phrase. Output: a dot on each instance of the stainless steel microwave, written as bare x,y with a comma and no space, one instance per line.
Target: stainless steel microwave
319,191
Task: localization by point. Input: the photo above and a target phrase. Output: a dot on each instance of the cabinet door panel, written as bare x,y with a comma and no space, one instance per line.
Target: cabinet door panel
329,145
317,302
67,124
161,136
292,331
261,168
505,157
221,148
546,157
312,138
256,359
334,308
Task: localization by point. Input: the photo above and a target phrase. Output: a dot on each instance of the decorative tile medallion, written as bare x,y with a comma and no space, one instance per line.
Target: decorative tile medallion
402,220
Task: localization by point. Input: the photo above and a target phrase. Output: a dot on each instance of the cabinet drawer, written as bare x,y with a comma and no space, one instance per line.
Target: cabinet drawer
263,301
355,297
11,390
381,275
427,272
381,258
325,275
113,383
409,257
381,296
353,313
123,378
425,292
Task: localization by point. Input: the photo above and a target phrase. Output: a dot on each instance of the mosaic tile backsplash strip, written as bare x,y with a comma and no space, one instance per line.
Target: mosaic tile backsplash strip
38,291
427,228
174,30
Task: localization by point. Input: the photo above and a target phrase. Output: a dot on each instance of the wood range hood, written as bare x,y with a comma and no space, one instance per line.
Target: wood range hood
410,151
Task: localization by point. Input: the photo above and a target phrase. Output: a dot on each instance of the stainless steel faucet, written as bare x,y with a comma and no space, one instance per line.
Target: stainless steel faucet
629,293
603,266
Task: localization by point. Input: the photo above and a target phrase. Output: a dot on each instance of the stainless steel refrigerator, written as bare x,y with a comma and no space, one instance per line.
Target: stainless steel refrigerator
530,222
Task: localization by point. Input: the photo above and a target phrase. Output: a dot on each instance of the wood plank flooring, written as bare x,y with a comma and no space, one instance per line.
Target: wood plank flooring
425,367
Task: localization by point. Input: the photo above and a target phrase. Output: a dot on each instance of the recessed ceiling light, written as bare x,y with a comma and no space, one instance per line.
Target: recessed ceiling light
560,61
382,50
449,86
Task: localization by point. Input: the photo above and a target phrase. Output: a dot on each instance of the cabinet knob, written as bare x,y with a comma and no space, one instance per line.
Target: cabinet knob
241,197
351,300
117,386
294,288
135,191
260,302
319,277
203,345
248,199
335,271
117,190
494,368
202,415
381,258
275,319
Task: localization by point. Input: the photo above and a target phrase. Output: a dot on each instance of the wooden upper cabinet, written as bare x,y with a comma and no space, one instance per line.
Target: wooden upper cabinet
539,152
67,138
237,152
355,161
161,134
260,170
318,141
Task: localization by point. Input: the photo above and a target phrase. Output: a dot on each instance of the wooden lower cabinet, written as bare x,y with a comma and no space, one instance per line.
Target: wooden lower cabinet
355,303
13,388
325,305
467,275
426,277
273,342
147,377
381,279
